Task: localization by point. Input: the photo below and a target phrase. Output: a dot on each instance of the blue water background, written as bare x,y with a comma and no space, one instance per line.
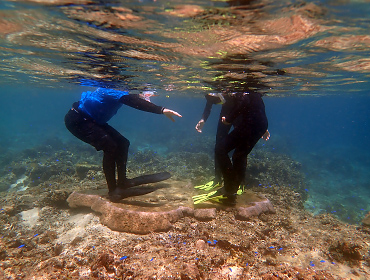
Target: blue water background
328,135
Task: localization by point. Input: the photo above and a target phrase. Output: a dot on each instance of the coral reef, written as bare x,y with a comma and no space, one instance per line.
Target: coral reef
43,238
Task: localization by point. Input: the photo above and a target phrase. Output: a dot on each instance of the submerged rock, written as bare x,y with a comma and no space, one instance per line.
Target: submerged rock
255,209
120,219
366,220
158,211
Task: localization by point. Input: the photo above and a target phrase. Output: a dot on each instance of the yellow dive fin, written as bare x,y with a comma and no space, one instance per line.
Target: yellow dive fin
205,197
208,186
214,195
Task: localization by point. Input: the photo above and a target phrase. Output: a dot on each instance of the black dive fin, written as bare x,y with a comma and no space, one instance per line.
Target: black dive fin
120,193
130,190
150,178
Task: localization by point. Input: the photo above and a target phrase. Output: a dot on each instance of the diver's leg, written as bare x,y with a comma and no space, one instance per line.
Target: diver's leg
245,145
221,134
106,141
109,169
222,156
115,148
240,164
98,136
120,156
121,161
249,136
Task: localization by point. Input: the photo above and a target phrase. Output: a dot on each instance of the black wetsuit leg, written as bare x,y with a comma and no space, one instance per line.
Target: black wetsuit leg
242,140
116,146
102,137
225,165
240,157
222,132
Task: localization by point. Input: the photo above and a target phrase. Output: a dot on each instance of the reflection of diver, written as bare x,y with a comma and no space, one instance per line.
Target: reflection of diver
246,113
87,120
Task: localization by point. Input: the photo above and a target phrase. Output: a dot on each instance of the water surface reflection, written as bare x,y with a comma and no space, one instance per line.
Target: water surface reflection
184,48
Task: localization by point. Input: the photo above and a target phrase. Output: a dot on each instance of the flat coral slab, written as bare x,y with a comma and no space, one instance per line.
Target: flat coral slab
157,211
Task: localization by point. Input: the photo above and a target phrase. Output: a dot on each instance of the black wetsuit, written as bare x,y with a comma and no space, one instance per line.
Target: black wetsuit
246,114
104,137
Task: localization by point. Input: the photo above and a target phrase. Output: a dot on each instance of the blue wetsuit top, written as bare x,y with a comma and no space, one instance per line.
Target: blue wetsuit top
101,104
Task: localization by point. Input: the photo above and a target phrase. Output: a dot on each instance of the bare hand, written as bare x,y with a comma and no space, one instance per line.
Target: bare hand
266,136
169,114
199,126
223,119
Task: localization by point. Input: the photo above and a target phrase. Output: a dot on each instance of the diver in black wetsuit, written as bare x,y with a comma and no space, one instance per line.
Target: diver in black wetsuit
246,113
87,120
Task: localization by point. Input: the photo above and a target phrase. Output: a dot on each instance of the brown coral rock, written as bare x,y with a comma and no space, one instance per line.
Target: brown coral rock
205,214
366,220
255,209
157,211
120,219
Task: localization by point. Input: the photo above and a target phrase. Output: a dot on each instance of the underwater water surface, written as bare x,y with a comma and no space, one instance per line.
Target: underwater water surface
309,59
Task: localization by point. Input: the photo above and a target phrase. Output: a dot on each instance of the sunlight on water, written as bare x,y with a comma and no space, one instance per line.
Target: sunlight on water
280,48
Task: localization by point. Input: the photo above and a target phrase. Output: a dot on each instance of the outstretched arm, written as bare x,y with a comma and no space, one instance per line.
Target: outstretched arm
137,102
206,113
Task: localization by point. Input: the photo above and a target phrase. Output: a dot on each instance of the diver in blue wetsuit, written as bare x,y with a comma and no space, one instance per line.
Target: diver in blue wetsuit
87,120
245,112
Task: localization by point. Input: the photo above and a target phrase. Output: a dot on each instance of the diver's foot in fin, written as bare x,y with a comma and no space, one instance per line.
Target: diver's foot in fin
145,179
220,196
121,193
213,195
229,200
